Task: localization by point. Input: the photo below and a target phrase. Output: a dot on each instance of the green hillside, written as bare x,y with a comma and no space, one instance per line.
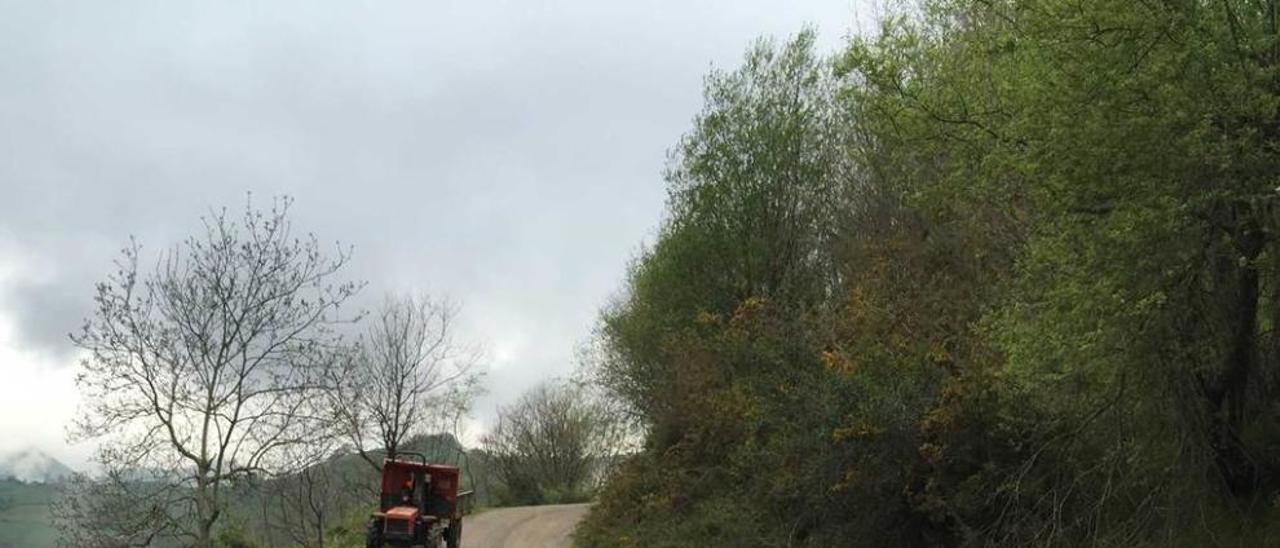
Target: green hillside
24,514
342,489
345,481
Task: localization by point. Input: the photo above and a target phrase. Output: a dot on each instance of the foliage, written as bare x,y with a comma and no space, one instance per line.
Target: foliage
1001,273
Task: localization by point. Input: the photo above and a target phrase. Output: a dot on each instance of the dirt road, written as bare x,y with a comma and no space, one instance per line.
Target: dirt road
523,527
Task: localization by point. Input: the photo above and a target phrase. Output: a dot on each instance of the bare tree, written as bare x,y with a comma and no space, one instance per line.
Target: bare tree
199,372
554,444
304,505
120,509
408,376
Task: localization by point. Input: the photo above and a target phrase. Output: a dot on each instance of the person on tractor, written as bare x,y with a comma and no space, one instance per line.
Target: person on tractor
406,492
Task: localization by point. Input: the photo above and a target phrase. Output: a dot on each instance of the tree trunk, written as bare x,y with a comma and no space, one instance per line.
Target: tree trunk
1230,402
206,512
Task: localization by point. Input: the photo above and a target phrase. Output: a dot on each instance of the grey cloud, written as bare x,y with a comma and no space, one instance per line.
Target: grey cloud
505,153
51,317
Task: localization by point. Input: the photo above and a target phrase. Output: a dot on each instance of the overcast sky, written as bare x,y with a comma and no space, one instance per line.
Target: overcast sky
507,154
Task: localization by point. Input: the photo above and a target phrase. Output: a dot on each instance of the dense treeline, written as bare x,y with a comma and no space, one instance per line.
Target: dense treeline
1003,272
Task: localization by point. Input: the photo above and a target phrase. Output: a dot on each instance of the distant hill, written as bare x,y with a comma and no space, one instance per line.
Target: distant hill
32,466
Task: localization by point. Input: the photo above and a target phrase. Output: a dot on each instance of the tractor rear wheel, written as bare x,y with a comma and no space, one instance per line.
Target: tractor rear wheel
453,535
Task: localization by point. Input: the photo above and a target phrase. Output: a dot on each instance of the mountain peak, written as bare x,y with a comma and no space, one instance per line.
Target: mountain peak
32,465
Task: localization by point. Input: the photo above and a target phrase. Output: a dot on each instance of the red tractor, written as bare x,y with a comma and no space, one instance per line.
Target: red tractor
420,505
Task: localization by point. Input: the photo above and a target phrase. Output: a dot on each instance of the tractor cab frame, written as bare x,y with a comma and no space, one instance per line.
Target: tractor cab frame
419,505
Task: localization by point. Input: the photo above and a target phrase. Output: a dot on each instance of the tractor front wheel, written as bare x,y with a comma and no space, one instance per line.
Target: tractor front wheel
373,535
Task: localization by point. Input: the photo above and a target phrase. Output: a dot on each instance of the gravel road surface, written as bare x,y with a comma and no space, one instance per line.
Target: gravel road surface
523,527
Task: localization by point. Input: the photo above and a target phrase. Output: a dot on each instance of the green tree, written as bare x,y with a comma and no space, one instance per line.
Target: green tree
1133,143
1007,276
